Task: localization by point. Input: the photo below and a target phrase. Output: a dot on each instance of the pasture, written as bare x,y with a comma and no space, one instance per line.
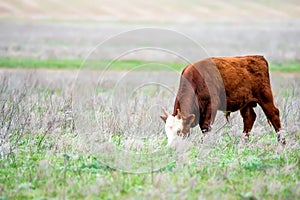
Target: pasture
82,84
49,148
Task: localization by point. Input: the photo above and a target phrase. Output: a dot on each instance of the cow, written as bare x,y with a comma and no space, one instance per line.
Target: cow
228,84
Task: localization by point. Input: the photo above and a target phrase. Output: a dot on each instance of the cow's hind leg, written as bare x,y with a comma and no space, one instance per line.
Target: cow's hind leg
272,114
249,117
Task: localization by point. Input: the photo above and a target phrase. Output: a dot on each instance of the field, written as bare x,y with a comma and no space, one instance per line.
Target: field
49,148
82,84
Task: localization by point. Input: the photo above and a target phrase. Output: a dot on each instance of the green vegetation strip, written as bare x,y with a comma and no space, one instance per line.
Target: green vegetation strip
31,63
287,66
28,63
226,172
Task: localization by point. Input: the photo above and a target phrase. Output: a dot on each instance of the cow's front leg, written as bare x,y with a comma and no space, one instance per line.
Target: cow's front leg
208,118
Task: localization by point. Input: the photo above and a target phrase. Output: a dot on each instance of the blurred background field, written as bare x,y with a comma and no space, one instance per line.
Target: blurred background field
71,29
174,11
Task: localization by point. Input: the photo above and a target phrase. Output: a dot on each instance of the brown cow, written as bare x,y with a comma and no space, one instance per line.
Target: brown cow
223,83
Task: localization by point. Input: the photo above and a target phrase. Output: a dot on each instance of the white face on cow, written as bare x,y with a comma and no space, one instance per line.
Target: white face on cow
173,128
177,126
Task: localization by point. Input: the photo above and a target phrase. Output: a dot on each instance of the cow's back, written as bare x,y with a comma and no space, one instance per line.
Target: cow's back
242,78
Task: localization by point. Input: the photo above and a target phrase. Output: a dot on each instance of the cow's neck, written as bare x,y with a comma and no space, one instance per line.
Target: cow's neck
187,105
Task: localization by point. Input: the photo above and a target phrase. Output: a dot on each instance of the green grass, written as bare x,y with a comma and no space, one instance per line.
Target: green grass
30,63
288,66
226,172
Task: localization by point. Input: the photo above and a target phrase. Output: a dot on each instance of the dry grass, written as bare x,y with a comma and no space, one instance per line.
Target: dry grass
103,138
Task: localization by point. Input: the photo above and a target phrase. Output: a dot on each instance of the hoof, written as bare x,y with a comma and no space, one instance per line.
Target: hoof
244,139
281,138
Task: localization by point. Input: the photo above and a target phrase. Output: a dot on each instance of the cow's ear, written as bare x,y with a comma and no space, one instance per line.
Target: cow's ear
164,118
190,119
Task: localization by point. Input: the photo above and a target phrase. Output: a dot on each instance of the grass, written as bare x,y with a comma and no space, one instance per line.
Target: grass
44,156
291,66
30,63
227,173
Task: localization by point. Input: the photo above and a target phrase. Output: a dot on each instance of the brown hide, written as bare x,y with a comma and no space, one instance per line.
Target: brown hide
229,84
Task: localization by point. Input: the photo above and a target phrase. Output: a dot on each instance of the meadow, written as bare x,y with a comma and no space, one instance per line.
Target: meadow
75,125
70,133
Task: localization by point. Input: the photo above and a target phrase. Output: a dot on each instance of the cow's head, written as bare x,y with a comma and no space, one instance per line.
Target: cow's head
178,125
